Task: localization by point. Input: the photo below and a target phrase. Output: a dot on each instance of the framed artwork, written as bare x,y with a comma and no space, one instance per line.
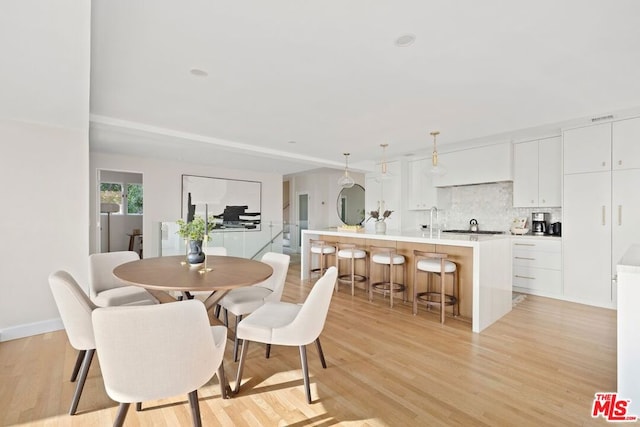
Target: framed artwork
235,204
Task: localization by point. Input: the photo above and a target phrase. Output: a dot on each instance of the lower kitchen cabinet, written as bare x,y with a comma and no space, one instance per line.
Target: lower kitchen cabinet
537,266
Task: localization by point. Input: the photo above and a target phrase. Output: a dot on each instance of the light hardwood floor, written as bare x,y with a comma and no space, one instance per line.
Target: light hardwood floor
539,365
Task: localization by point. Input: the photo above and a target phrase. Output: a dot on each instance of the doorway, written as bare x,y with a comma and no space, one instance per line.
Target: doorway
121,211
302,216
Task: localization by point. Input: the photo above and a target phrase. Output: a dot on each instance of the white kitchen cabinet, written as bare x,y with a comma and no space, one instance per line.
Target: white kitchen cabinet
586,235
626,147
537,266
625,205
587,149
550,172
477,165
421,192
600,207
525,174
384,192
537,173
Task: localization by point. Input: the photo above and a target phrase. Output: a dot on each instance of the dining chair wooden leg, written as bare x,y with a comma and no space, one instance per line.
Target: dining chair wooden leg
305,372
243,355
235,340
268,351
122,414
225,390
76,367
226,318
321,353
86,363
138,406
217,311
195,408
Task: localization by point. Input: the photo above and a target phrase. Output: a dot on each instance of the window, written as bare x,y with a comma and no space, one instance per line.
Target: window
111,193
128,196
134,199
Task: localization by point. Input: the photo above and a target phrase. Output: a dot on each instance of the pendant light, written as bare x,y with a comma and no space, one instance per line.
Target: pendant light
384,173
345,180
436,168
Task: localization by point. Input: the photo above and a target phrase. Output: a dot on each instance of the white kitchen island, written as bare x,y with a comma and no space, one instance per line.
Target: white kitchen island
491,267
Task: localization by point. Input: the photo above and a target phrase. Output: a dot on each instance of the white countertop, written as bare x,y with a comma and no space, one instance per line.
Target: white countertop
630,262
438,238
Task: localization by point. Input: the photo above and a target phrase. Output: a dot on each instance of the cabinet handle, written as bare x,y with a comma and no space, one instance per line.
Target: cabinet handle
619,162
524,244
604,222
525,277
524,257
619,214
604,164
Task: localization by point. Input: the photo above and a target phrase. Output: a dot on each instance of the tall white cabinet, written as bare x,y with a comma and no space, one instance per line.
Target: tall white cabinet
537,173
601,181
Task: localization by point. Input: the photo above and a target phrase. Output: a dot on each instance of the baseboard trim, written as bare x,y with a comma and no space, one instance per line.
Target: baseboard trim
30,329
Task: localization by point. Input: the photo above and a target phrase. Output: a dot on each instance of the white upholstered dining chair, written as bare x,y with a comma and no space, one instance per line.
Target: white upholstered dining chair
153,352
242,301
107,290
75,309
284,323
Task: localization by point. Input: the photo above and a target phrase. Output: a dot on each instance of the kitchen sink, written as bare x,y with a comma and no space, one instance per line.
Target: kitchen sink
473,232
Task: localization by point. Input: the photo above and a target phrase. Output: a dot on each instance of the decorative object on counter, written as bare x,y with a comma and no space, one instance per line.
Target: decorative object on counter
346,181
353,228
519,225
436,168
381,226
473,226
195,233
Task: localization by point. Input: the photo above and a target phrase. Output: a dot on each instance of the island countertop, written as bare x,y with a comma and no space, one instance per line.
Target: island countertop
491,290
433,237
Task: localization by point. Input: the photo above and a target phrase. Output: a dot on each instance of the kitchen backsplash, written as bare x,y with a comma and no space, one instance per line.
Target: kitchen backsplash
491,204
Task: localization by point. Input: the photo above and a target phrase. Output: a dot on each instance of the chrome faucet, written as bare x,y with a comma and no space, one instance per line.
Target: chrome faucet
431,211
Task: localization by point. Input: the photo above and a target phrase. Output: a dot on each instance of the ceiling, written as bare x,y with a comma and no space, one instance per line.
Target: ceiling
292,85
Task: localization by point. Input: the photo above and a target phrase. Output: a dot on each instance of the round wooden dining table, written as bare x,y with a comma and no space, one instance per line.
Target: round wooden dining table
162,275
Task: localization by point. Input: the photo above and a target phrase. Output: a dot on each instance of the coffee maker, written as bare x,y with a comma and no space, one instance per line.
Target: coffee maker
540,223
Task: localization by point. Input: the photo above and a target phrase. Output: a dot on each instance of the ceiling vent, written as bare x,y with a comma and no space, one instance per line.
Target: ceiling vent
598,119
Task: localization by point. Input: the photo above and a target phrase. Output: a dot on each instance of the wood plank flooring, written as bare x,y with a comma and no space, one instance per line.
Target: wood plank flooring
539,365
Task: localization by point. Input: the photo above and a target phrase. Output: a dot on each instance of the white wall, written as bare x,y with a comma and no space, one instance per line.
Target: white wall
44,119
163,192
322,187
43,223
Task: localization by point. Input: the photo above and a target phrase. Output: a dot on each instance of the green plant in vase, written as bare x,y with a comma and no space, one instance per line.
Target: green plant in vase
195,232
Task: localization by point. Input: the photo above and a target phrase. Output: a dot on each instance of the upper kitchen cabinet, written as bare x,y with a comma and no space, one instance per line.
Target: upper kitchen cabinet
626,144
422,193
537,173
587,149
477,165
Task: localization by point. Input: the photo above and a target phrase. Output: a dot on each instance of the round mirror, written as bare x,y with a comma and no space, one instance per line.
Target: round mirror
351,205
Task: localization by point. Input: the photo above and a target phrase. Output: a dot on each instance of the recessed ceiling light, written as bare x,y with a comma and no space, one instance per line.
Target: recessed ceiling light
405,40
198,72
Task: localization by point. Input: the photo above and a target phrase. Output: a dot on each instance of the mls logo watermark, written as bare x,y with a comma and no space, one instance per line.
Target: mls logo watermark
611,408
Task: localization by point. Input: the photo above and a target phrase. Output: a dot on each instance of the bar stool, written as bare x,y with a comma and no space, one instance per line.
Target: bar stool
321,248
435,263
349,251
387,257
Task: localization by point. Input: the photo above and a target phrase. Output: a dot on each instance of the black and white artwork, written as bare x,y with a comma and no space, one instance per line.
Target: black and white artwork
235,204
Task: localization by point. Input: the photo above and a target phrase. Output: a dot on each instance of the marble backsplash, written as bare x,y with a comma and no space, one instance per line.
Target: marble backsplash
491,204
